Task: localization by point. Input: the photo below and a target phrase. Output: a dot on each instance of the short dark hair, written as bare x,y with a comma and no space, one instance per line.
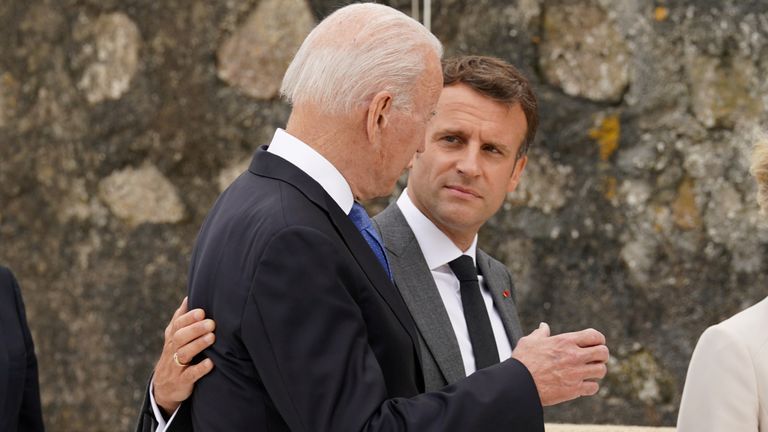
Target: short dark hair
498,80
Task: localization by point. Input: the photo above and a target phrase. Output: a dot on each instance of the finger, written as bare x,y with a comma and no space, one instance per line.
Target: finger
541,332
182,308
188,351
193,331
187,319
590,372
586,338
595,354
197,371
588,388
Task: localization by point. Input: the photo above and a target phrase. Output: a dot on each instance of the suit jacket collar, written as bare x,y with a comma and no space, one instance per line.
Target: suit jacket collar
272,166
315,165
414,280
499,284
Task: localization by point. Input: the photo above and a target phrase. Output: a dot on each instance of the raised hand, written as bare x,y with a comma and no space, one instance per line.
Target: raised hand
564,366
187,335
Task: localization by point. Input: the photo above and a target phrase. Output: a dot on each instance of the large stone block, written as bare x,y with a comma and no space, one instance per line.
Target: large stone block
141,195
110,52
583,52
256,56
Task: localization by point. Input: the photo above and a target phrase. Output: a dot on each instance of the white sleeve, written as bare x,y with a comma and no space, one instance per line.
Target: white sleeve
720,391
162,425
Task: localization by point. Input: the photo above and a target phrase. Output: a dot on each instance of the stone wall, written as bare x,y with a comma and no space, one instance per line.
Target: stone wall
121,121
557,427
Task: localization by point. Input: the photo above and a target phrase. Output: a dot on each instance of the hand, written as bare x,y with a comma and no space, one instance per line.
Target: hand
564,366
187,335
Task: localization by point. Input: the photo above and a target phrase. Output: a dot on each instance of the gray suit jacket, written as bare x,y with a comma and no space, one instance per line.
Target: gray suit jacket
441,358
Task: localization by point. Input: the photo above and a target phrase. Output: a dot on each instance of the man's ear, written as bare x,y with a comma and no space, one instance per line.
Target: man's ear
378,115
518,171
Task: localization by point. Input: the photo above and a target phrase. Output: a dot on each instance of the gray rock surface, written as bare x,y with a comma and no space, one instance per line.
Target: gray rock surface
582,51
636,214
141,195
256,56
110,51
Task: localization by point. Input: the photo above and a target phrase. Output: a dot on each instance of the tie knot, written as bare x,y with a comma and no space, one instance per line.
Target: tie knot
359,217
464,268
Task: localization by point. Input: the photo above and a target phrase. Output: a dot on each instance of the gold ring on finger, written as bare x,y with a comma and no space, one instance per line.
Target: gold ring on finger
176,360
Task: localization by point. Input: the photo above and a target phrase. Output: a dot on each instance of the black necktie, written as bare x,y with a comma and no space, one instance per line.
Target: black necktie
478,323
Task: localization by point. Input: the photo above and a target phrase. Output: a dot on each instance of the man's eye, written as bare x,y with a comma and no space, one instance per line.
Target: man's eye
451,139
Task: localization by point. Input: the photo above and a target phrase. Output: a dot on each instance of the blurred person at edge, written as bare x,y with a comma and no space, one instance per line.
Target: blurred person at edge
19,389
726,389
484,123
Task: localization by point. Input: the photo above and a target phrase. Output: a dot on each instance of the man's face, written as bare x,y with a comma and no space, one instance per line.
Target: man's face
405,135
468,164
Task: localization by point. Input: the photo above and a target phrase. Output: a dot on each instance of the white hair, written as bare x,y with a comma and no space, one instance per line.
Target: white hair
355,52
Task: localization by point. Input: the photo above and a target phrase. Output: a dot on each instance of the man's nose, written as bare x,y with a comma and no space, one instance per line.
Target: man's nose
468,162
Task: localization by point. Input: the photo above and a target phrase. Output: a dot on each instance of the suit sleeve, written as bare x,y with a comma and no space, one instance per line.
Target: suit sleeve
147,421
720,391
180,421
30,413
307,338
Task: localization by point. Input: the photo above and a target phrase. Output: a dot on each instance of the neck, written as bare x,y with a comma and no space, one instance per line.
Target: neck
461,242
462,237
337,139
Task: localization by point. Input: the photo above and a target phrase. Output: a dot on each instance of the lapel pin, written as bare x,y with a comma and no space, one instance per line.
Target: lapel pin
506,293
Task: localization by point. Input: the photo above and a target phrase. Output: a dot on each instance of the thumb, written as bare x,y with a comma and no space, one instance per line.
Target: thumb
541,332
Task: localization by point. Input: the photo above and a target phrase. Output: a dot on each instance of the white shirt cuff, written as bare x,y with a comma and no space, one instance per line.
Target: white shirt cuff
162,425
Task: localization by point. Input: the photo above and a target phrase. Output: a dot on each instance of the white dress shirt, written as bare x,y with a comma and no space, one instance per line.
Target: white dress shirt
438,251
322,171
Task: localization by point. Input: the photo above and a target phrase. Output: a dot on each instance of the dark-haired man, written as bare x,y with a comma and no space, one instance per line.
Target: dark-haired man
475,152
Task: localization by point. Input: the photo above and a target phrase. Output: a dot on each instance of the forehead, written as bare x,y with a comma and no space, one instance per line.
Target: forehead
463,109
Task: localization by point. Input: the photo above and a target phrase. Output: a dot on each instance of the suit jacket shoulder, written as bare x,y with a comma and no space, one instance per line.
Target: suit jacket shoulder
19,389
726,387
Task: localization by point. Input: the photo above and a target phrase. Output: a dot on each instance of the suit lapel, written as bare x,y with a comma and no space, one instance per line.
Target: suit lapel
414,281
497,281
269,165
373,270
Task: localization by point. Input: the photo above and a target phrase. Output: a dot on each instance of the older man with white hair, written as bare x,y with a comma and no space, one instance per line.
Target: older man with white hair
311,335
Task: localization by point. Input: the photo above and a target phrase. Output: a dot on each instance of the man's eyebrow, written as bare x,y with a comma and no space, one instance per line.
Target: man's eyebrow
450,131
459,133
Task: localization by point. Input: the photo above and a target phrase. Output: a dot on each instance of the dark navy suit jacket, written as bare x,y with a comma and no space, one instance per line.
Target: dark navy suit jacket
19,390
311,335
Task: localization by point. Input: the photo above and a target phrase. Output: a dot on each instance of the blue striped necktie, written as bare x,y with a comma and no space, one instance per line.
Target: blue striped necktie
360,218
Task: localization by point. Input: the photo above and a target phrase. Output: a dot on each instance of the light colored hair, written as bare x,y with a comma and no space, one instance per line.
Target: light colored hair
759,169
355,52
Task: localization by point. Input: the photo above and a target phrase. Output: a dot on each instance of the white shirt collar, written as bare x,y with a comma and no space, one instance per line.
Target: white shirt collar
314,165
437,248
